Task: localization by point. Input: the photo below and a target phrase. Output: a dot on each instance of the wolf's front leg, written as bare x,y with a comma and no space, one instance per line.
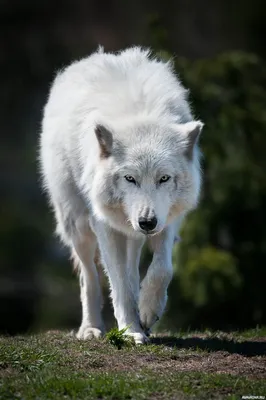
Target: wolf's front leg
120,258
153,293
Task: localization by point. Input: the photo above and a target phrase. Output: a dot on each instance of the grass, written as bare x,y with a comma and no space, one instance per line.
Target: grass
118,338
54,365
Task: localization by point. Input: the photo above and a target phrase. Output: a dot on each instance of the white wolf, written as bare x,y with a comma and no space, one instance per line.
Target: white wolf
120,162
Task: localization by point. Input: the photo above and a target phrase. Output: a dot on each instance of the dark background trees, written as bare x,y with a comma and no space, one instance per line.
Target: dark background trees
220,56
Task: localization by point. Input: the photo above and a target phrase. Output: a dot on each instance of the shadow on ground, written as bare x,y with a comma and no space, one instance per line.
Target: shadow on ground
247,348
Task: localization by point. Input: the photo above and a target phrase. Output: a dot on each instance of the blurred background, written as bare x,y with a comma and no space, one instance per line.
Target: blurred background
220,265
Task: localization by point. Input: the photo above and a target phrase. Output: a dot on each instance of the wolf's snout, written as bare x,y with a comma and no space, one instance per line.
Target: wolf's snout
147,224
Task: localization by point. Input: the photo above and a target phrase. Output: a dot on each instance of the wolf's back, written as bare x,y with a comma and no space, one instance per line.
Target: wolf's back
131,82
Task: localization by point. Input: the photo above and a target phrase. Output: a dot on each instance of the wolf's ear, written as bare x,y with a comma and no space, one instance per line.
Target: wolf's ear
192,132
105,139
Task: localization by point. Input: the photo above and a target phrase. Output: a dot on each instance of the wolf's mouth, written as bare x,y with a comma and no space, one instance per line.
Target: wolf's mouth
151,233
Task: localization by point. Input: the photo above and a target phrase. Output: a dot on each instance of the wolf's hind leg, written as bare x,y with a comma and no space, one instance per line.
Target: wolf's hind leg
84,247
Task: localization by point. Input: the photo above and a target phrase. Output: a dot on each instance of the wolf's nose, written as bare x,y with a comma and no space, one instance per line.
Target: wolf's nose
147,224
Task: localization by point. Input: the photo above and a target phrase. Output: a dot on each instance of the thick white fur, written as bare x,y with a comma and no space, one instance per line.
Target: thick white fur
144,110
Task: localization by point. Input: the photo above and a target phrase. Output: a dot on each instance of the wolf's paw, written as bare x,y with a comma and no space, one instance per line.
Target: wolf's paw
148,317
88,333
151,307
139,338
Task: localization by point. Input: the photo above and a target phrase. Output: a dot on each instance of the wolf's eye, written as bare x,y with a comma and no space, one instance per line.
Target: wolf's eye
164,178
130,178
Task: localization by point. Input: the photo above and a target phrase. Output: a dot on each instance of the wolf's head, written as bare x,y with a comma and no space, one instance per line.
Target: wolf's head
147,175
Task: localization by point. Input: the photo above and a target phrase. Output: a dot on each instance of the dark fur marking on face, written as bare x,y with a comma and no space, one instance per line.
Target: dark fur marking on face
115,180
176,182
112,192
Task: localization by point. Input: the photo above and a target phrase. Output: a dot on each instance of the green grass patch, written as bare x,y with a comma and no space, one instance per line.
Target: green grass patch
118,338
57,366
